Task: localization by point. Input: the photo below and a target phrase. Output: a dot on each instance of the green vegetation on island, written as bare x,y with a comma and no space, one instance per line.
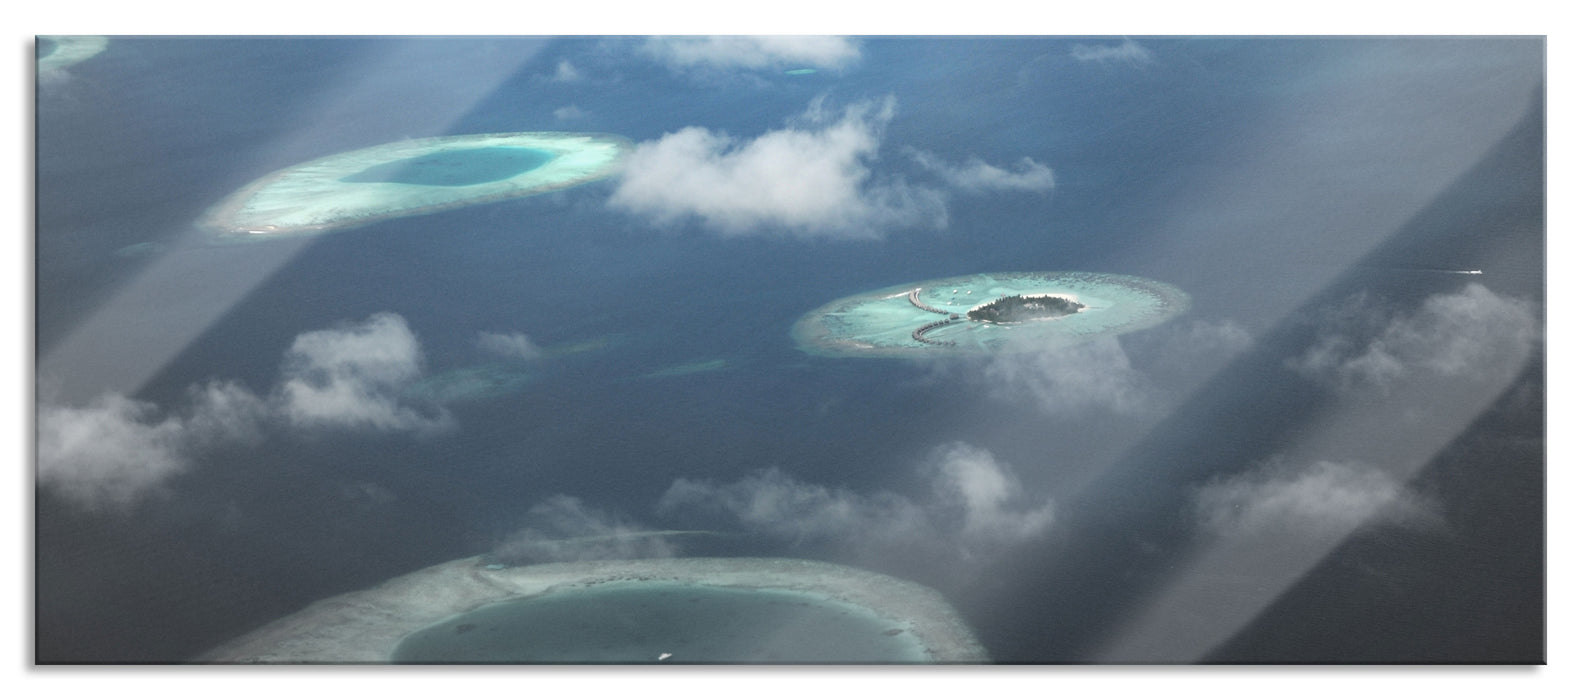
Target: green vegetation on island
1017,308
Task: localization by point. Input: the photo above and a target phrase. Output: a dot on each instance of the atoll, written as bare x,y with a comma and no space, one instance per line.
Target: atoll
409,178
1000,312
702,610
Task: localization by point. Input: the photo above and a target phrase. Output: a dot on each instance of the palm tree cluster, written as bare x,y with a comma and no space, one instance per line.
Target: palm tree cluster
1016,308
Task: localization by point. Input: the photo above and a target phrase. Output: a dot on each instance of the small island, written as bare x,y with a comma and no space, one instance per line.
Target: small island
1017,308
987,313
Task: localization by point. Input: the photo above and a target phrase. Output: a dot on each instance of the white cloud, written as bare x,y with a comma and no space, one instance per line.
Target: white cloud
1178,356
116,450
1319,500
1070,379
1222,338
563,529
772,503
1458,334
568,113
109,452
566,73
984,494
1257,535
351,377
753,52
224,412
515,346
810,181
1127,51
975,507
977,176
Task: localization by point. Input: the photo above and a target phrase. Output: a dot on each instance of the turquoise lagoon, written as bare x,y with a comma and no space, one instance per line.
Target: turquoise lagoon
666,622
412,177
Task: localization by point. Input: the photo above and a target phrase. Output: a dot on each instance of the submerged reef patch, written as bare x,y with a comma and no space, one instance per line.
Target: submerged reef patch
546,614
687,368
998,312
409,178
60,52
473,383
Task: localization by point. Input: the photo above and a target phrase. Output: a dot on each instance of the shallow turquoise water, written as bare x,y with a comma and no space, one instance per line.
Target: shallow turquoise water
457,168
639,622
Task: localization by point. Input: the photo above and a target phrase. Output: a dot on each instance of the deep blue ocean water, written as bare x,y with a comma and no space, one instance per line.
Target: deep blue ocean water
1270,179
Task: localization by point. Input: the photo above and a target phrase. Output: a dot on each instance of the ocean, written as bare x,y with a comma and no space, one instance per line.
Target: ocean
1340,378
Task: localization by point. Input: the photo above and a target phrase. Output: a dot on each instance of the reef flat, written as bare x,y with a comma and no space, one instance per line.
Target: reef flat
60,52
409,178
932,317
914,624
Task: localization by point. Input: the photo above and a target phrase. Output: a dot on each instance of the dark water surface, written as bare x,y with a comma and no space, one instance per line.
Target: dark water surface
1278,182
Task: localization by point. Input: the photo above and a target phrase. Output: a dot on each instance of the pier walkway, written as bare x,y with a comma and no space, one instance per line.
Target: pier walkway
912,297
917,335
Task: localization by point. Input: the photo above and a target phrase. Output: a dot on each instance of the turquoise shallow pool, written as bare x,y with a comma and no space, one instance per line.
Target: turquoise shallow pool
408,178
457,168
640,622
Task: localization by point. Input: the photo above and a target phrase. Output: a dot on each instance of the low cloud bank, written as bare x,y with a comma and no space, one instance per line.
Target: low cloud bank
115,451
810,179
753,52
515,346
1064,381
562,528
1141,377
1451,335
813,179
977,176
350,377
112,451
1127,51
565,72
975,508
1217,339
1320,500
984,497
769,502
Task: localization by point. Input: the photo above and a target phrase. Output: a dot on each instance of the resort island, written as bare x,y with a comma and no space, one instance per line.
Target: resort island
987,313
